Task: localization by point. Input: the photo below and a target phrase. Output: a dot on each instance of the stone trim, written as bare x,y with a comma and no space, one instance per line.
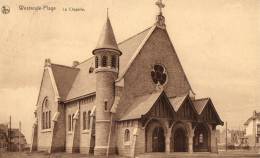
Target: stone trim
46,130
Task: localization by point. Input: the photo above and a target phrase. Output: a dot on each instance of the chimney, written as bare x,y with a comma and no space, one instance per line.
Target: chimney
75,63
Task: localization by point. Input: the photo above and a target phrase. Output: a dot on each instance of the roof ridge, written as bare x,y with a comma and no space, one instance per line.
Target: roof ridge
134,35
85,60
64,66
206,98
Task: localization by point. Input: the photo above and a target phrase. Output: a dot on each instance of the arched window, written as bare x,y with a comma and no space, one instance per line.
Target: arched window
89,112
96,62
127,135
201,138
46,114
113,61
104,61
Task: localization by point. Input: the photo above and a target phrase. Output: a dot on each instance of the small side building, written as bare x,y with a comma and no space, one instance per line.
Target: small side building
252,130
3,137
15,140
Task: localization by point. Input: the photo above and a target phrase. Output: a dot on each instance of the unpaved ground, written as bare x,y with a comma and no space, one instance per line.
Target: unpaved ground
230,154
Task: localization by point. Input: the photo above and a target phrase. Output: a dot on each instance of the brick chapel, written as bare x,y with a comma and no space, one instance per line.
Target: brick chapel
129,98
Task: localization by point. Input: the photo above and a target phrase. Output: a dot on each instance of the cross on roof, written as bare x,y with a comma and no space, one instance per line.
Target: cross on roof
160,5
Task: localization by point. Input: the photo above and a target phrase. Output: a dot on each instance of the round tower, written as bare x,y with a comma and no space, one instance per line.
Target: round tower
106,68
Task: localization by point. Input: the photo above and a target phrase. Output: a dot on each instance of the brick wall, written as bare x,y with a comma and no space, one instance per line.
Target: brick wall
138,81
85,135
46,90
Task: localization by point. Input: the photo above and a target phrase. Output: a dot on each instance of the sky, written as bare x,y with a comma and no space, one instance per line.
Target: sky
217,42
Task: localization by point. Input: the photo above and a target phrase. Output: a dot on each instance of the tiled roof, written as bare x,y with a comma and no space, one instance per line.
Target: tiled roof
15,133
176,102
200,104
255,115
129,49
3,128
85,82
141,106
64,77
107,38
75,82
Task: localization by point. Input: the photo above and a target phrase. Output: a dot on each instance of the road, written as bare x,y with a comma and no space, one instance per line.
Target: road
233,154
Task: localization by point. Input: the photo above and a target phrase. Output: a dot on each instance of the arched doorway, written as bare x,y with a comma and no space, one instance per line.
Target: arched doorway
201,139
158,140
180,140
155,136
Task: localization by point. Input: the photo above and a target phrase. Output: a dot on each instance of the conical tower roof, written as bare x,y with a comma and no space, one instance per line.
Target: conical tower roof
107,38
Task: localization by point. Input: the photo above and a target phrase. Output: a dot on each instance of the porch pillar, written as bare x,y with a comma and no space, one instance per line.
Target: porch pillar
190,138
168,140
213,140
191,143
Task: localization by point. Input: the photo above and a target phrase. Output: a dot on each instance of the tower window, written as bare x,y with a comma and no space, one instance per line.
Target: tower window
104,61
96,62
106,108
113,61
127,135
91,69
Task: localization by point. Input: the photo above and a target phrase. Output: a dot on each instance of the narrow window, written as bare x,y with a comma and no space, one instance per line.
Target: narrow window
84,120
127,135
89,112
258,129
104,61
46,120
96,62
69,122
72,122
113,61
43,123
49,119
106,108
201,138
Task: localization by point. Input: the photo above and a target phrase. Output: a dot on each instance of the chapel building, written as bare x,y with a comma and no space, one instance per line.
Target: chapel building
129,98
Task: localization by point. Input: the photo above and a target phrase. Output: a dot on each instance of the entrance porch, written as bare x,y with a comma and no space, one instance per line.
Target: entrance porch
181,136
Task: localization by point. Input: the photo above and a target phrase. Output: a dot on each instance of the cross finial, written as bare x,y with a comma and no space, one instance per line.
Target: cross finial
160,5
107,12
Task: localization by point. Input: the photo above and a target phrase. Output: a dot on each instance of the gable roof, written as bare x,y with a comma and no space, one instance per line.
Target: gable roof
85,82
200,104
176,102
141,106
256,115
64,77
130,49
79,82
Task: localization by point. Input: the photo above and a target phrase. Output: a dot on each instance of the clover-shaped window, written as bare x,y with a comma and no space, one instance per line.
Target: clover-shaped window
159,75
